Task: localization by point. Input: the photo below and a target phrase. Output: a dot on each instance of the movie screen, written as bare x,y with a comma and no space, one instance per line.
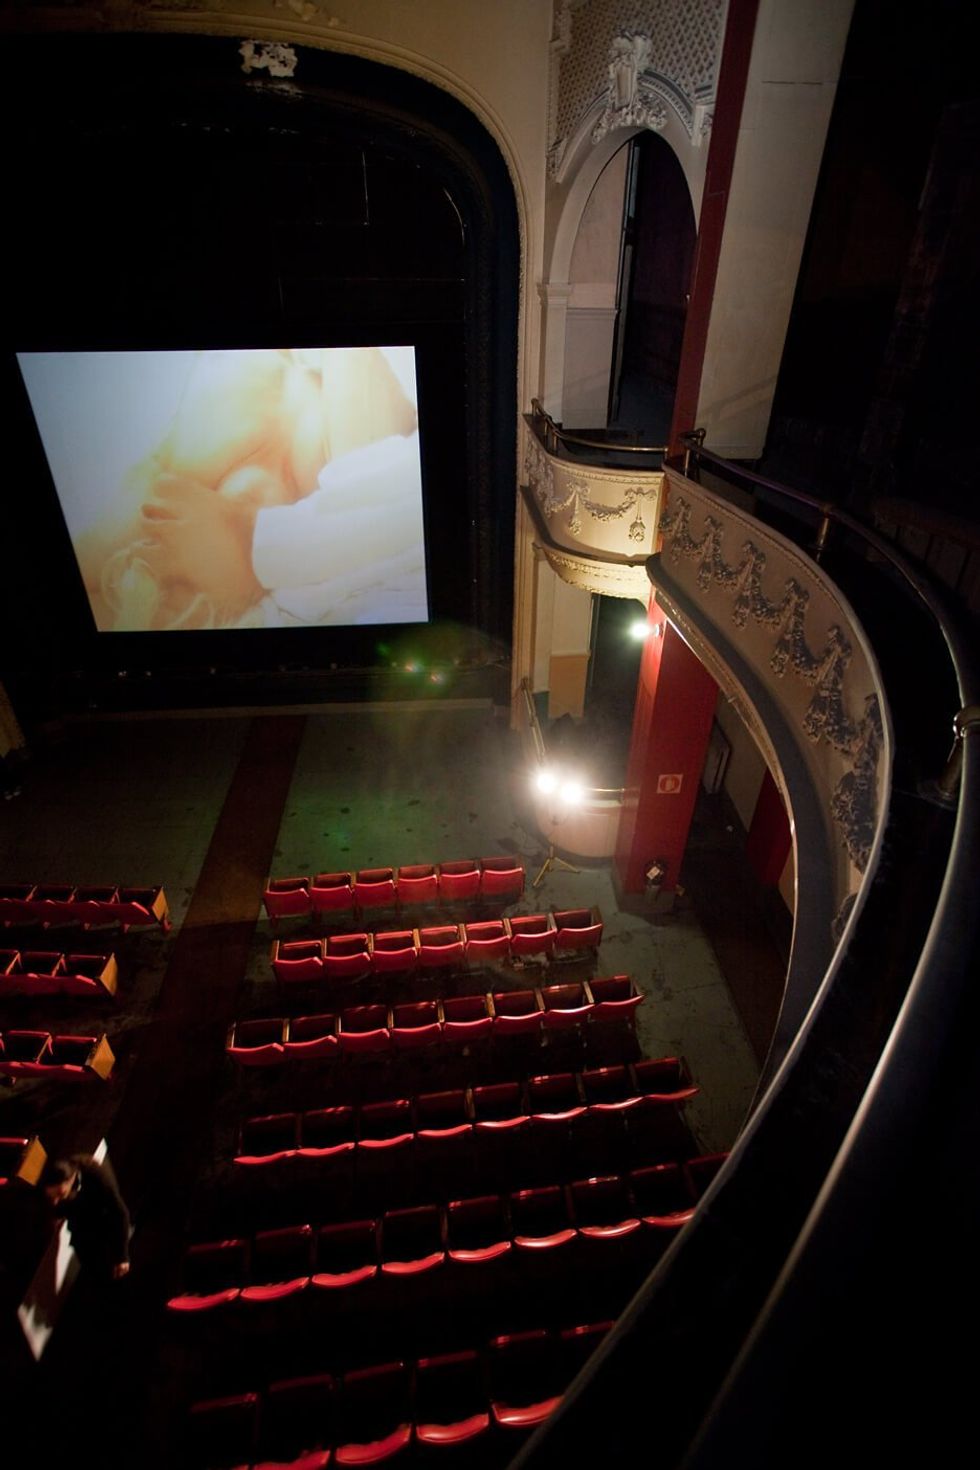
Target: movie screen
238,488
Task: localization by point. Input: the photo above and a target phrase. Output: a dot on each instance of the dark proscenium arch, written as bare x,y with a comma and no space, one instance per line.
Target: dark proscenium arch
167,199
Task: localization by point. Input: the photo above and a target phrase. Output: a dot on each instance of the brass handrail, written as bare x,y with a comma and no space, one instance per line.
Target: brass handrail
554,435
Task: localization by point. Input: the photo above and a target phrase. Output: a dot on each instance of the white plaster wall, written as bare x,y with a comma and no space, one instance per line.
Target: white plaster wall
590,323
793,72
746,766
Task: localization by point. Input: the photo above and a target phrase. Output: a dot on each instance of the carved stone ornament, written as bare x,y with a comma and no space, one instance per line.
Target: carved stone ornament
629,102
278,59
854,799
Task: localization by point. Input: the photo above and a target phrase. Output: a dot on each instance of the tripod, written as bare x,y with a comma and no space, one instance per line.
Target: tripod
552,861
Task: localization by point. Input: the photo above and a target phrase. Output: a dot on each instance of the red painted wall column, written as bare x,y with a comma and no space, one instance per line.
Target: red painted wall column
768,843
675,706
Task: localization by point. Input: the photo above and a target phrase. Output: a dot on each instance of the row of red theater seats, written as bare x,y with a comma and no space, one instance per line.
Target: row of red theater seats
50,972
275,1264
403,951
49,904
458,1020
469,880
371,1415
432,1119
65,1058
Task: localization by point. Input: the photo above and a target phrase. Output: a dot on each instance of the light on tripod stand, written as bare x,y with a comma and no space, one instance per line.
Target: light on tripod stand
565,793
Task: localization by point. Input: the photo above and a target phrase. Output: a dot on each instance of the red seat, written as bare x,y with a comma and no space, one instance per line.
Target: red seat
297,1425
23,1053
500,1123
52,904
517,1012
604,1209
268,1140
90,974
395,952
221,1432
412,1241
286,898
477,1230
501,877
374,888
15,899
555,1099
663,1080
451,1403
441,946
257,1043
414,1024
308,1037
331,893
281,1264
364,1029
326,1132
486,941
444,1130
466,1018
663,1195
526,1381
346,1254
141,908
417,884
541,1219
97,906
531,934
375,1419
610,1089
42,971
565,1006
299,961
459,882
616,998
577,929
346,957
213,1274
385,1125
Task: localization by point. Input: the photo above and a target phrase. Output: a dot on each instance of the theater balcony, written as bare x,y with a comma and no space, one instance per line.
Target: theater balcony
817,1258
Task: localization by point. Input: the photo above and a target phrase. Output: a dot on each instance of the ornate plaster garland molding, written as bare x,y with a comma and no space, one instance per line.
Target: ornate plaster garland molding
574,494
853,802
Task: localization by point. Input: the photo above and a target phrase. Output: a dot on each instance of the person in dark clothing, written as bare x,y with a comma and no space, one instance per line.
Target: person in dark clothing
85,1194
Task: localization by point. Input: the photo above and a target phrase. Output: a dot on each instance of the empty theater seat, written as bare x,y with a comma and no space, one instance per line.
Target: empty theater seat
451,1403
287,898
416,884
501,878
486,942
395,952
532,934
459,881
297,961
374,888
331,893
577,931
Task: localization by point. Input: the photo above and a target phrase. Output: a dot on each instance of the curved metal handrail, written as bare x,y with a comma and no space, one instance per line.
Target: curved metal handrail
554,435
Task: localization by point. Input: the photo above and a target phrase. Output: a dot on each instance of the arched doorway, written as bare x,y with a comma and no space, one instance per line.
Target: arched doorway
656,255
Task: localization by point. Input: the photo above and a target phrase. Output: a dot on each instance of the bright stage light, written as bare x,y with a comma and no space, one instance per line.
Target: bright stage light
546,781
640,630
572,793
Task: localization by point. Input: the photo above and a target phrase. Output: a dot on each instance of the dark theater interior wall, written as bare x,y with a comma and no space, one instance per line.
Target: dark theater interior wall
161,198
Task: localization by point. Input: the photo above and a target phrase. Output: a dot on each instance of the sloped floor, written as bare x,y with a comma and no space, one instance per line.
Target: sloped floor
208,807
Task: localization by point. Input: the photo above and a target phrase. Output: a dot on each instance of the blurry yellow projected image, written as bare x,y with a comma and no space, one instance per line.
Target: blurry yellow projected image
238,488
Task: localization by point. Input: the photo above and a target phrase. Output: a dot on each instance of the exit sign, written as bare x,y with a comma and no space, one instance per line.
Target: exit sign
669,785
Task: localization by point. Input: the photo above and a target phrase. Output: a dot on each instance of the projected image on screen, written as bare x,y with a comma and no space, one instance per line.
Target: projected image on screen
237,488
